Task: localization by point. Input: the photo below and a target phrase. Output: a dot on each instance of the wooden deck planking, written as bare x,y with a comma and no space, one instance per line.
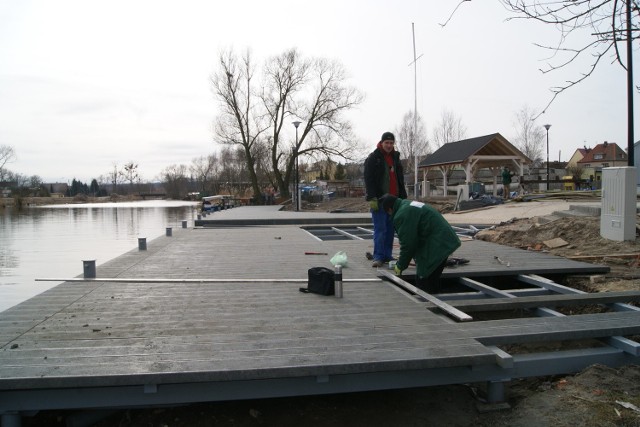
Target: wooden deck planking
350,334
104,333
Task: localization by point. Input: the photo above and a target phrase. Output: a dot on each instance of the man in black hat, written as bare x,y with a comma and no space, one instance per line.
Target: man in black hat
383,174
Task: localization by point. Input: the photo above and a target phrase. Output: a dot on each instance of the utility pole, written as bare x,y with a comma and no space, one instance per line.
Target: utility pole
630,141
415,113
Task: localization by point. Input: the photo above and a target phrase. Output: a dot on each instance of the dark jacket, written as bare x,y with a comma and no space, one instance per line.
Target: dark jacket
506,176
424,234
376,175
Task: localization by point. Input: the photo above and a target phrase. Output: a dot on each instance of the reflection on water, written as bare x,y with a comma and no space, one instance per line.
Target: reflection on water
52,241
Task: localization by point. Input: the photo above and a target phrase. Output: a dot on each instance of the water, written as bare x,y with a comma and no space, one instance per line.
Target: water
52,241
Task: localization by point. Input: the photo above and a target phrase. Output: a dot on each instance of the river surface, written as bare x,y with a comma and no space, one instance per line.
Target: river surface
53,241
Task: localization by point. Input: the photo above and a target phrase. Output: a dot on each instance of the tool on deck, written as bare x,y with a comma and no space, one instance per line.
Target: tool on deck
316,253
507,263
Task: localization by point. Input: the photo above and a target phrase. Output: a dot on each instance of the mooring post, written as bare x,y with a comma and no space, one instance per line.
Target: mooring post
199,217
142,243
168,233
89,268
184,223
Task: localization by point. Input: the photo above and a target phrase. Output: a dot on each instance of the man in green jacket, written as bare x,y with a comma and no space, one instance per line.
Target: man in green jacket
506,182
425,236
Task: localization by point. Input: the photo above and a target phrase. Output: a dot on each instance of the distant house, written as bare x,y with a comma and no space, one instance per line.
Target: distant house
5,188
578,156
603,155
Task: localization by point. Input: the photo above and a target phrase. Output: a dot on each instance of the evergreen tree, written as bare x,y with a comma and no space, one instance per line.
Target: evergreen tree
94,188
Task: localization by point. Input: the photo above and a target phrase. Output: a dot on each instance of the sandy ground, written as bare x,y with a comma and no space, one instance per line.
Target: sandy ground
598,396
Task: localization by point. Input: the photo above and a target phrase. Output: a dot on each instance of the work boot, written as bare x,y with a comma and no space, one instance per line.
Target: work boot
377,263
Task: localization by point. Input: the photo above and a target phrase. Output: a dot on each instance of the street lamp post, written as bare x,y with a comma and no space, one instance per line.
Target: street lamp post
296,124
547,128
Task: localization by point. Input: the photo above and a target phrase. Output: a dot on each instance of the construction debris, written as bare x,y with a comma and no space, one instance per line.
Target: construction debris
555,243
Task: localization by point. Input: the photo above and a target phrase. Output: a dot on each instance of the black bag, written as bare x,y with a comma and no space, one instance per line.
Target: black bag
321,281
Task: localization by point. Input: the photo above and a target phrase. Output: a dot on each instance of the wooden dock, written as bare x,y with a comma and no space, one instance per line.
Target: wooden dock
215,313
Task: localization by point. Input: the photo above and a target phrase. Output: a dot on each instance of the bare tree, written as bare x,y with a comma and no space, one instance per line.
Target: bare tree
314,91
232,172
239,123
576,171
130,173
409,142
449,129
114,176
175,181
203,168
7,155
258,115
529,135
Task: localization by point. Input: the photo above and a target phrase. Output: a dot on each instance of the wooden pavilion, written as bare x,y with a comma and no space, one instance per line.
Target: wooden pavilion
492,152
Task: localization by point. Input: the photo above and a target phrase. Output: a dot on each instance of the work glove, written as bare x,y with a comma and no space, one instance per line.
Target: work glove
374,204
397,270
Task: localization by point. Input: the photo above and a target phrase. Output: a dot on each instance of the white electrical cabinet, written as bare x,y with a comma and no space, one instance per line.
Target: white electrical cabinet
618,216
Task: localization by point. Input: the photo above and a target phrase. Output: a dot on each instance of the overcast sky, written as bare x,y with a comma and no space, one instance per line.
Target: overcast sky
86,84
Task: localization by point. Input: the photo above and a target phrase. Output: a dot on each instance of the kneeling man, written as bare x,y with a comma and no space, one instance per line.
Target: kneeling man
425,236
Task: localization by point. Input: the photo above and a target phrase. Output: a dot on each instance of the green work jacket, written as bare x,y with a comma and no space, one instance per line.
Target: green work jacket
424,235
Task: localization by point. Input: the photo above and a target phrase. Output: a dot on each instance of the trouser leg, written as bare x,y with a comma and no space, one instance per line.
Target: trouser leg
388,239
379,218
432,283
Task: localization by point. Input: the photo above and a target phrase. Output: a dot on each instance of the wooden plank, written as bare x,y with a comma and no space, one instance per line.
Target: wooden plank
547,329
447,308
496,304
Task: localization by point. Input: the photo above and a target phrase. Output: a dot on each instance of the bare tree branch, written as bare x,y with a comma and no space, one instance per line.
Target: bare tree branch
603,21
449,129
7,155
453,13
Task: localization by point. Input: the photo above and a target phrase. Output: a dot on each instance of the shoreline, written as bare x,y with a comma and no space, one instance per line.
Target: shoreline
11,202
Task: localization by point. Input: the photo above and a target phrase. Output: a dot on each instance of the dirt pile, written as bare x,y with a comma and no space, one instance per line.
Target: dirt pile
571,237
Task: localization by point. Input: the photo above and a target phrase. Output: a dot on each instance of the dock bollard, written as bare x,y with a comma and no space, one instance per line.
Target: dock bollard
184,223
169,232
338,281
199,217
142,243
89,268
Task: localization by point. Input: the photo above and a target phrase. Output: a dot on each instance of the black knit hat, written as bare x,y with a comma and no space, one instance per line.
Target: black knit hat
386,136
387,201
